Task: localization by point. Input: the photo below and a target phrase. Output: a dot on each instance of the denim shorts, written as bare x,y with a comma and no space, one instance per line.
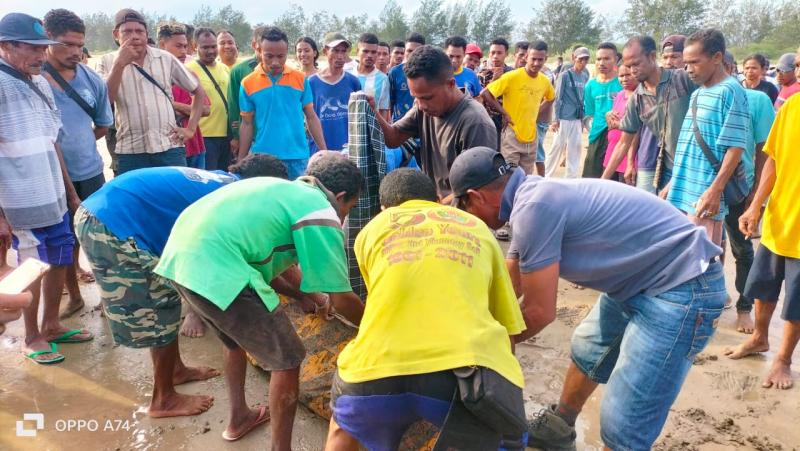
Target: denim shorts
643,348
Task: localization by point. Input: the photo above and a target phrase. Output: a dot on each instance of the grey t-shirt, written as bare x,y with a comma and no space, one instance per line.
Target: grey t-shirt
444,138
605,235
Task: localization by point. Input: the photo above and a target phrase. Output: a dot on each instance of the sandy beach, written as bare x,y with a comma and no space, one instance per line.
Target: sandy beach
97,398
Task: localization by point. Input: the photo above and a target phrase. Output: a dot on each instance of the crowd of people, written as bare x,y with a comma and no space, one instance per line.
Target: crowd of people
374,190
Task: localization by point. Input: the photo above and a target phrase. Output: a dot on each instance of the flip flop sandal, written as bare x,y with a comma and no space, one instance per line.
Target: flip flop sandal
86,277
69,337
53,350
263,417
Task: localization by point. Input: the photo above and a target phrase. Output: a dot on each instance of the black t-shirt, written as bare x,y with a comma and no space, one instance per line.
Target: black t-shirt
768,89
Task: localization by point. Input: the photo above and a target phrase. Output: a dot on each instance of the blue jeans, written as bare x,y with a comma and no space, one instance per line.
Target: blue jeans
197,161
170,157
541,132
642,349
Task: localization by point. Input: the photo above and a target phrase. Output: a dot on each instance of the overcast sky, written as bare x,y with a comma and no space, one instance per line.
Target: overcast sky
256,11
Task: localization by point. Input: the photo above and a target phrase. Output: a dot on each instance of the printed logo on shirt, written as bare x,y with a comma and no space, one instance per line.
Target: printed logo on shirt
332,108
198,175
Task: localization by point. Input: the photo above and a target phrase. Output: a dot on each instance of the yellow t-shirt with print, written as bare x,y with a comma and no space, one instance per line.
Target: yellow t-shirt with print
781,226
440,297
522,96
215,125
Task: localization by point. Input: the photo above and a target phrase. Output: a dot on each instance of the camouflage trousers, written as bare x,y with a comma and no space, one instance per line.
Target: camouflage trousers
142,308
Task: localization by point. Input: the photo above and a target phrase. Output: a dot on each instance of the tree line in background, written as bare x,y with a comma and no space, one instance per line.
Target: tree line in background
768,26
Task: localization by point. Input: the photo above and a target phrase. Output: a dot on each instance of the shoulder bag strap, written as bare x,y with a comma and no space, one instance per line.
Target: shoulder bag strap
152,80
19,76
699,138
216,86
69,90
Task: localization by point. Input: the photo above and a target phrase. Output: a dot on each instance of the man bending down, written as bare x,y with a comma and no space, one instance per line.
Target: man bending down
244,235
663,290
459,312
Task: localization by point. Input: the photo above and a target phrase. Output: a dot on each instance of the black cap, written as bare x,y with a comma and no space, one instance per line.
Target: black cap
20,27
475,168
676,41
128,15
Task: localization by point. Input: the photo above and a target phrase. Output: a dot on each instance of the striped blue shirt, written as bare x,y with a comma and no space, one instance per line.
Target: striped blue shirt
724,122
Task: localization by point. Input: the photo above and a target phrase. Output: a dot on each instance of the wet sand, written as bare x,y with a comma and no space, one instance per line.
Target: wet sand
721,407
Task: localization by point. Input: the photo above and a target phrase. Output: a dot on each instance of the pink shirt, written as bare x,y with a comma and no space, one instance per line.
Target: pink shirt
786,92
614,135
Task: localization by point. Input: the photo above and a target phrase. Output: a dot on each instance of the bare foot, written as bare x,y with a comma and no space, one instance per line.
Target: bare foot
179,405
255,417
71,308
747,348
744,323
191,374
780,376
193,326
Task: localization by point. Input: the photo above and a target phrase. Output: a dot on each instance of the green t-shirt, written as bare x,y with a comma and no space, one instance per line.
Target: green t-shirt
598,99
238,72
250,231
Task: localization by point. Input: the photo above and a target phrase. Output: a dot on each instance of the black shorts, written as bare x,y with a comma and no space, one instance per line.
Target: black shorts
767,275
86,188
268,337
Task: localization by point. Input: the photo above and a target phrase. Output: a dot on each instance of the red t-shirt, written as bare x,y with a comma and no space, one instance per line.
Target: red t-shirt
194,146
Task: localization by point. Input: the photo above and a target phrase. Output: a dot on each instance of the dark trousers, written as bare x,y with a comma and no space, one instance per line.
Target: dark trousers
218,153
742,250
170,157
595,154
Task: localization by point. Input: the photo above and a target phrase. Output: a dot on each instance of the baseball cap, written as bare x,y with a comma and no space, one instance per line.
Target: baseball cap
128,15
473,49
785,63
475,168
676,41
20,27
333,39
581,52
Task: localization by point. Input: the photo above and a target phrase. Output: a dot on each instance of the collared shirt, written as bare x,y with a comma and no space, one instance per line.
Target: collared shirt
662,112
77,141
276,104
215,125
238,73
144,114
603,236
32,193
724,122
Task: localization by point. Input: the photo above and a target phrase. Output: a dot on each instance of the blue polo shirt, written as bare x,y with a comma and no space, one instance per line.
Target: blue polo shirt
276,104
